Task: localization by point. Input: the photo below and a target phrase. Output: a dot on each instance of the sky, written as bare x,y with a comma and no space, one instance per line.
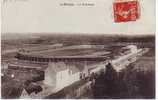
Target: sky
48,16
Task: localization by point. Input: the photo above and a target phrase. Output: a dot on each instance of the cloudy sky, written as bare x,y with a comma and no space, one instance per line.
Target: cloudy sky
37,16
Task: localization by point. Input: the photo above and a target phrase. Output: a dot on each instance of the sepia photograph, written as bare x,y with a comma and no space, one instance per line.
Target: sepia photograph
78,66
78,49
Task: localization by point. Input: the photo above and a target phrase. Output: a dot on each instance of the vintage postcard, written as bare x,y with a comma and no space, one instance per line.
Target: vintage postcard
78,49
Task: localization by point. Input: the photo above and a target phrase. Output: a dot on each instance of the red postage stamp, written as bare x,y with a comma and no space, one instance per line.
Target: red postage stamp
126,11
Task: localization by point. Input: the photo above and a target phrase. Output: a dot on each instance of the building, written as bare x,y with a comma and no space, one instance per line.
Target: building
65,66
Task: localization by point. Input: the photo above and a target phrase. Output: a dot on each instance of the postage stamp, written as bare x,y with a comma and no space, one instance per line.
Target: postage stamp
126,11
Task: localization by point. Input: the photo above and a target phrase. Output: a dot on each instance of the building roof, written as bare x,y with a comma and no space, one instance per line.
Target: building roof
58,66
73,67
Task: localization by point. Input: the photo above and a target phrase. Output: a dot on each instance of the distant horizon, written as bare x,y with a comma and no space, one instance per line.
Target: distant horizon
77,33
15,36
